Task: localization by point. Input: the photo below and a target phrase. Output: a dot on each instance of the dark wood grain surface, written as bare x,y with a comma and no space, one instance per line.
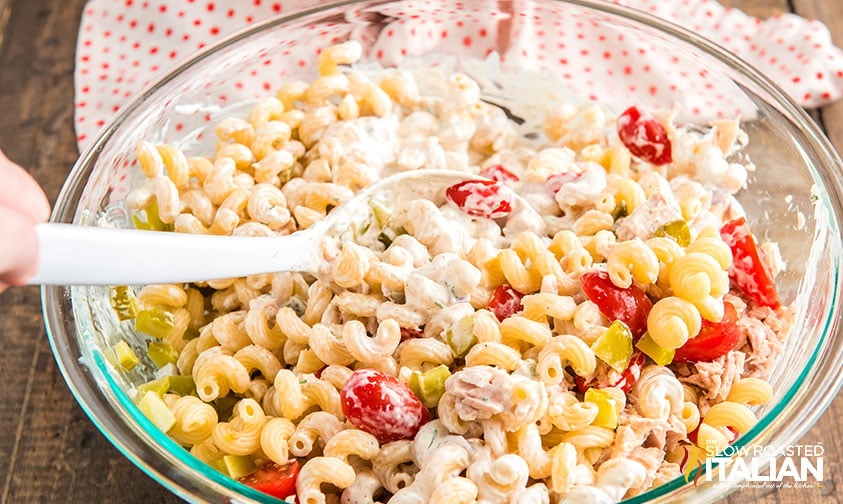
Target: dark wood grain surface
49,451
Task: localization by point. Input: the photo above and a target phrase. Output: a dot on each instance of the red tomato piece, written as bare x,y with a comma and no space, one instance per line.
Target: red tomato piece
632,372
273,479
499,174
382,406
407,333
715,339
505,302
631,305
481,198
644,136
625,382
555,182
748,272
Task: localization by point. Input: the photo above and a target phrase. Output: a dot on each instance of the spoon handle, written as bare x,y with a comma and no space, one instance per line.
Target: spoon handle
88,255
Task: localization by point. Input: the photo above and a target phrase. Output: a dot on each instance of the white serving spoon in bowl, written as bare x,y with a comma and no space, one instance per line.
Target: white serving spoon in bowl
90,255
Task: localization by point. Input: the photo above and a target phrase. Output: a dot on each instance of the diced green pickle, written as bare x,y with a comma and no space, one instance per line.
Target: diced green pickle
224,406
123,301
660,355
430,385
677,230
162,353
388,235
607,408
122,355
154,322
157,411
182,385
381,210
190,333
151,220
614,347
237,466
460,337
160,386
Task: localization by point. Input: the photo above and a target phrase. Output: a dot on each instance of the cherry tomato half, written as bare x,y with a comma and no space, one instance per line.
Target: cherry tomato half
631,305
505,302
627,379
481,198
714,340
273,479
748,271
499,174
382,406
644,136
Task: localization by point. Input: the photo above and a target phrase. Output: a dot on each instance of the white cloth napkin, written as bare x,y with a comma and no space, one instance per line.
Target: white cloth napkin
123,46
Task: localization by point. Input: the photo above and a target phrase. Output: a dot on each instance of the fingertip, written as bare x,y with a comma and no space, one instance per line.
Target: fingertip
19,261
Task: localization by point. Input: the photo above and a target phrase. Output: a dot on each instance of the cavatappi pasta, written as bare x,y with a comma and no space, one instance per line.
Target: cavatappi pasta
562,358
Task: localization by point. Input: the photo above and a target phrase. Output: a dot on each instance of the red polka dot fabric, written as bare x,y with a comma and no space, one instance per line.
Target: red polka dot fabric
124,45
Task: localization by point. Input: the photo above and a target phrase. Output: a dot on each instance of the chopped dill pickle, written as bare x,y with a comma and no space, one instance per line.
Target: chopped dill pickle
160,386
460,337
430,385
190,333
389,234
122,355
154,408
182,385
362,229
660,355
151,221
620,210
220,466
677,230
614,347
237,466
381,210
224,406
154,322
607,408
123,301
161,354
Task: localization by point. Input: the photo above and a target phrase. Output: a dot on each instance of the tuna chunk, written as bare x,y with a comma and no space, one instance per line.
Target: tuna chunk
647,218
480,392
716,378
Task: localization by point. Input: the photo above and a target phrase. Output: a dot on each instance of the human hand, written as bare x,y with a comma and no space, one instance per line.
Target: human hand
22,205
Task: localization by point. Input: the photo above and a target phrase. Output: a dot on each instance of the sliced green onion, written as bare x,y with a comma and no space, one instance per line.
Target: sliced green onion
614,347
157,411
182,385
123,302
162,354
660,355
460,336
160,386
154,322
237,466
607,408
678,231
430,385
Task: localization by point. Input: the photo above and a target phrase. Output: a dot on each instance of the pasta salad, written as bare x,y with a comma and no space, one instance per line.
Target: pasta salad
457,350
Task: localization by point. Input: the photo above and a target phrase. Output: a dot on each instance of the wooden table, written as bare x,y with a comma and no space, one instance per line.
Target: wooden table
49,450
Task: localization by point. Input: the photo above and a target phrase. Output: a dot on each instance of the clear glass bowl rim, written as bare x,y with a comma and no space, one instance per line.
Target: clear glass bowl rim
148,449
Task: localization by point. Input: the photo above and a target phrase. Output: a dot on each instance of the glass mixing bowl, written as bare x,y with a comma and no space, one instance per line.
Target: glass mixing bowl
793,198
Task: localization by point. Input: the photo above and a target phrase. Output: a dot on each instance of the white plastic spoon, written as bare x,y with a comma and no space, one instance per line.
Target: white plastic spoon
89,255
